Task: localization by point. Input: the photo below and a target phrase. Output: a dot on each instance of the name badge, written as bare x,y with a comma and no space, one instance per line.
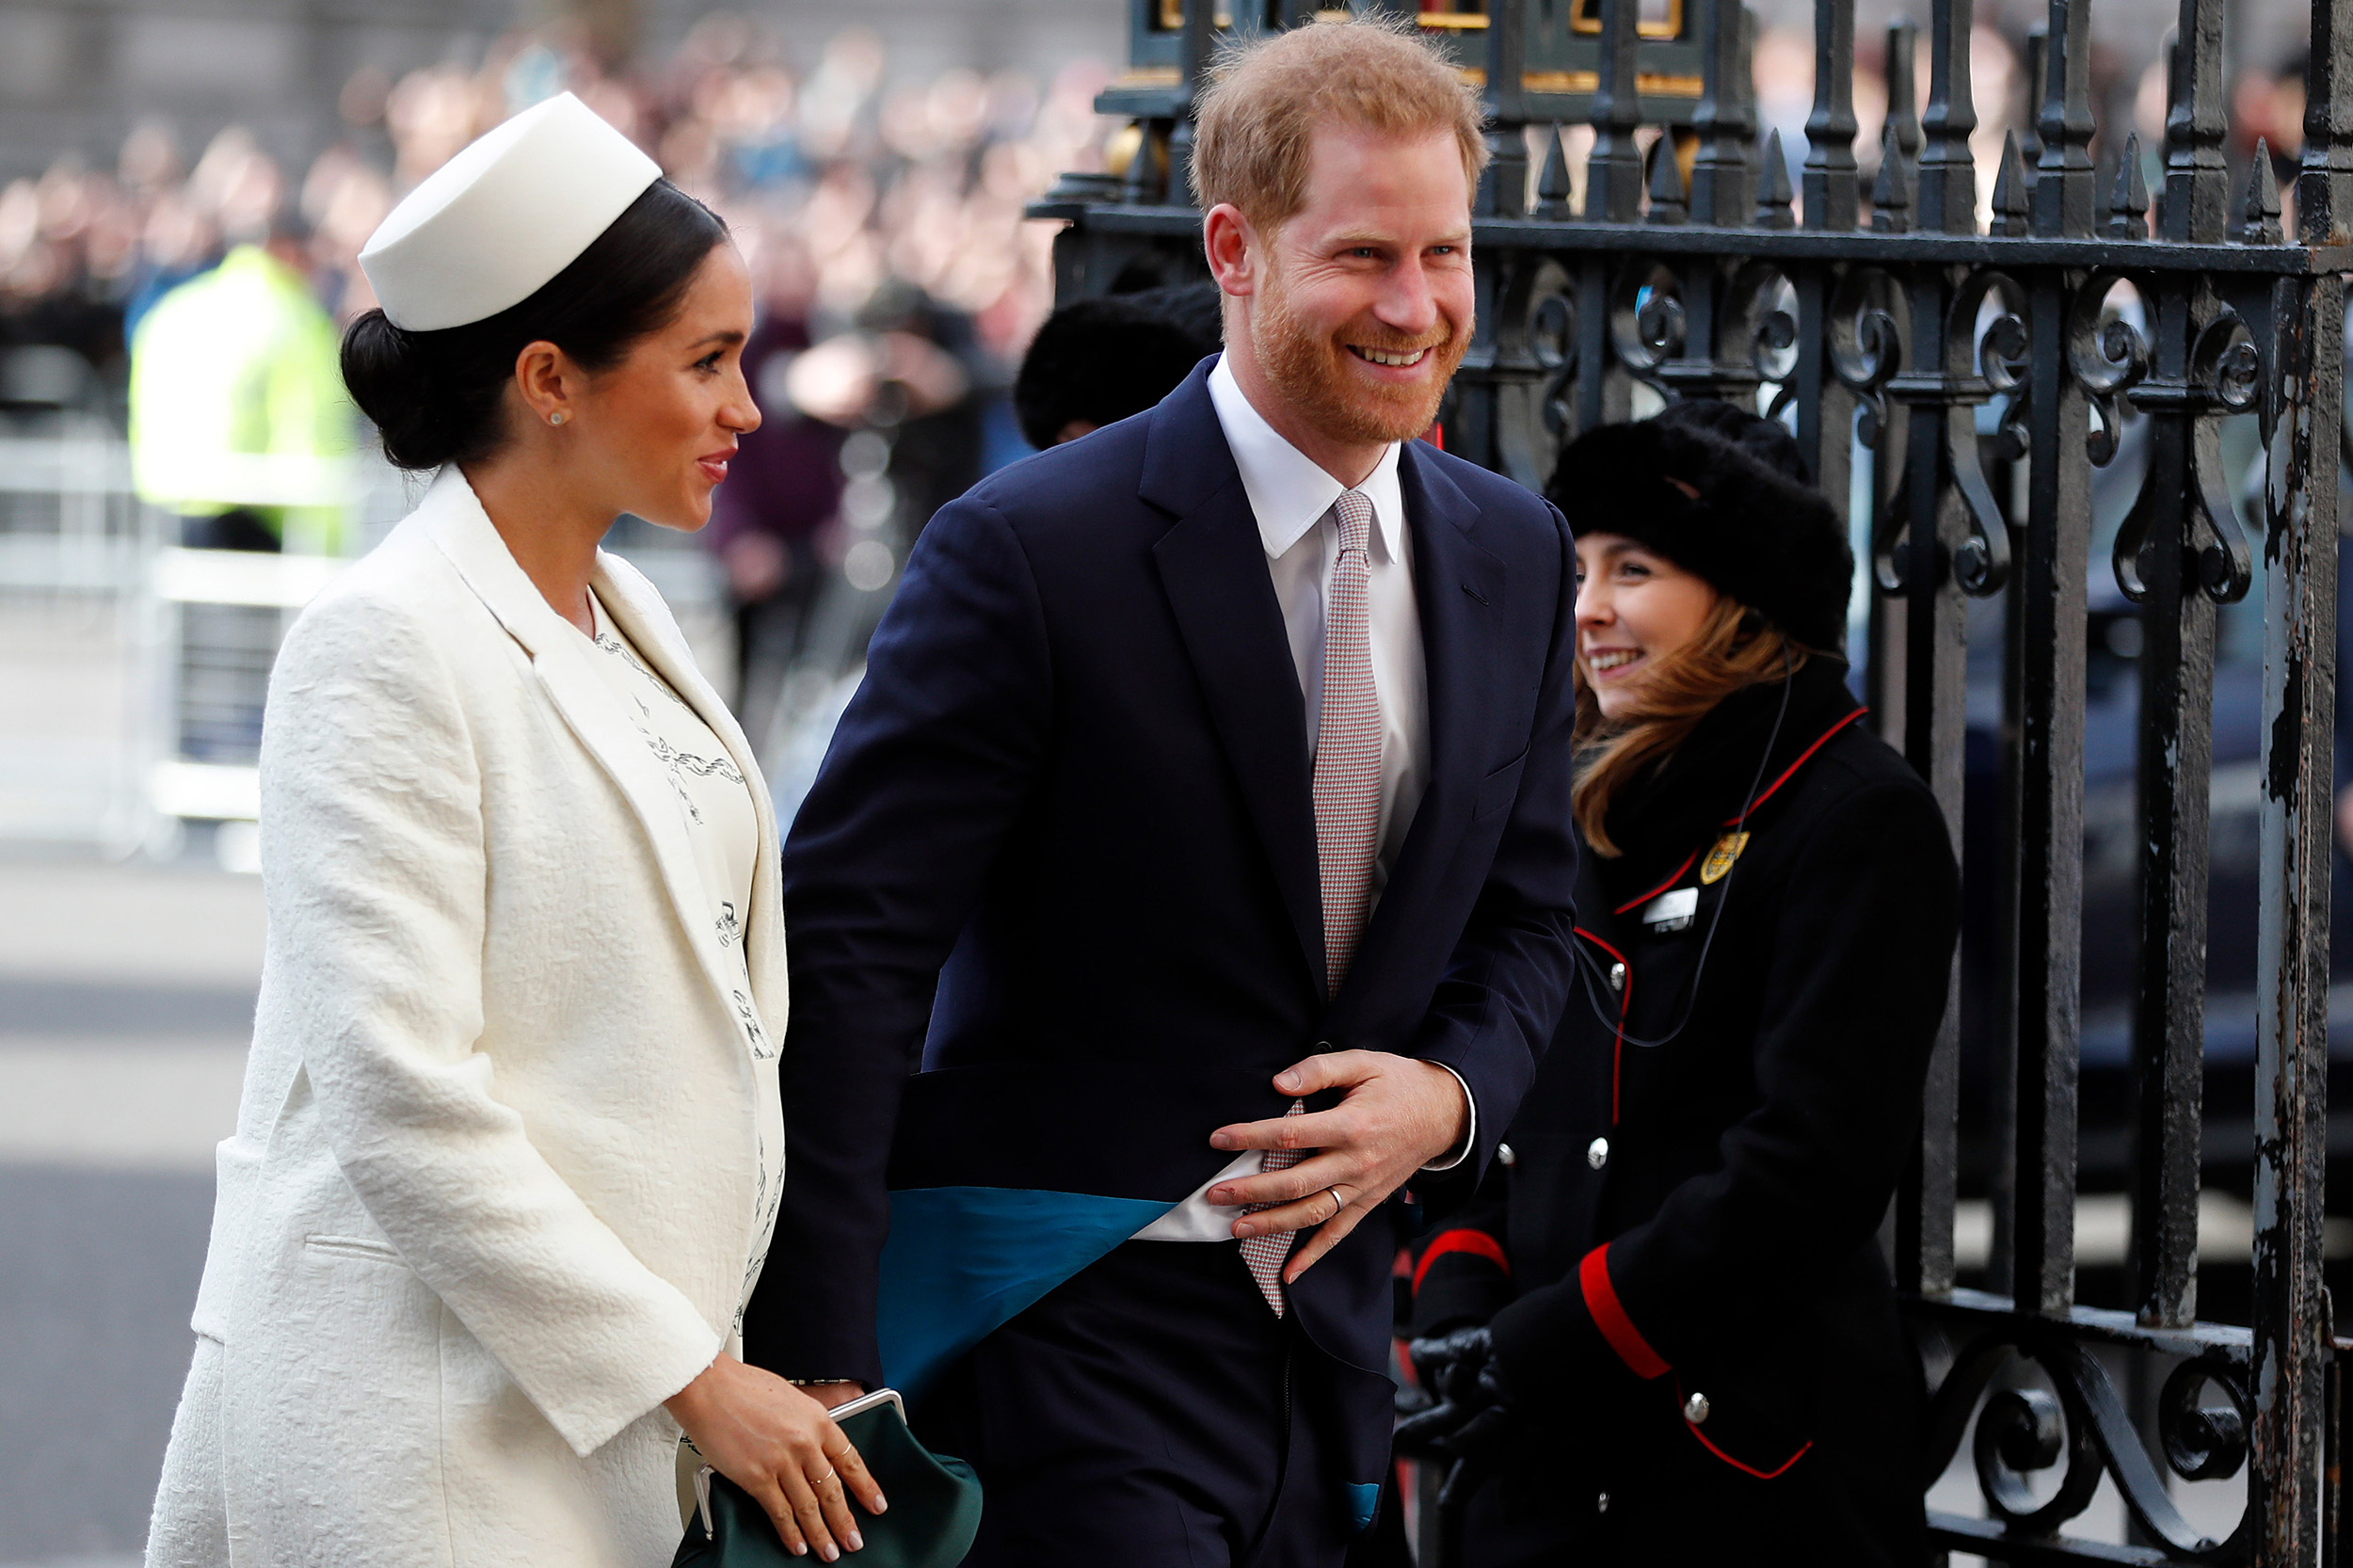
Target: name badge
1672,911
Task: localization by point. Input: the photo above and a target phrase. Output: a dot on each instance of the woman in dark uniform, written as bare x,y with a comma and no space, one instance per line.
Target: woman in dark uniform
1662,1327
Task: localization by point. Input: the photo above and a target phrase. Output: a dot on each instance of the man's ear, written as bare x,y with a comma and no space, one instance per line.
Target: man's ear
1232,248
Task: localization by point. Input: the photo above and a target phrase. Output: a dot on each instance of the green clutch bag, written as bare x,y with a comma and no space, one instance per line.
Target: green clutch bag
935,1504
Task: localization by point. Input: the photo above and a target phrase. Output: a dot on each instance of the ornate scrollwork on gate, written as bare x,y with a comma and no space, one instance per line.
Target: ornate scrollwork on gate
2108,355
2223,378
1647,322
1551,311
1996,358
1866,345
2081,1428
2226,366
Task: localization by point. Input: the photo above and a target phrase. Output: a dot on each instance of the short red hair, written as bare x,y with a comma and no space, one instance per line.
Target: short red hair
1267,96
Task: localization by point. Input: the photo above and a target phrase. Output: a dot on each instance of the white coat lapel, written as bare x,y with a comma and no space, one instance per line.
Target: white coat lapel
561,657
646,621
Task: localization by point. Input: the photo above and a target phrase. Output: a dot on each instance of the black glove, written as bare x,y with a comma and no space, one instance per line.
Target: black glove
1472,1421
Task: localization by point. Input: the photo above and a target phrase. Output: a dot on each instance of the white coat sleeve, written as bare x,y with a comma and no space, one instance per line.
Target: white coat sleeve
375,869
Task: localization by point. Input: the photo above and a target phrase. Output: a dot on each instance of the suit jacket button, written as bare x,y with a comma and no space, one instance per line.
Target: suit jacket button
1617,977
1597,1153
1503,1152
1695,1409
1601,1504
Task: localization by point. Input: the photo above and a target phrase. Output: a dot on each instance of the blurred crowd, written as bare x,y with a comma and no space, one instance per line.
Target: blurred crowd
882,221
849,196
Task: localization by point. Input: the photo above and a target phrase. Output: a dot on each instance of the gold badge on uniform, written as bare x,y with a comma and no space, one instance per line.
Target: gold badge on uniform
1719,859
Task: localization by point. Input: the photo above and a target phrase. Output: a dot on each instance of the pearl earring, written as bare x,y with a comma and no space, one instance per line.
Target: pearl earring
555,419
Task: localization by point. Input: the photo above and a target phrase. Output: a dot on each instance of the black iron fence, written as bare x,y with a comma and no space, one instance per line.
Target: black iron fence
1963,359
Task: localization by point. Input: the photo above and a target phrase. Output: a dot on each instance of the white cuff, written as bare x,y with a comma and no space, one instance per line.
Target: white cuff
1470,1130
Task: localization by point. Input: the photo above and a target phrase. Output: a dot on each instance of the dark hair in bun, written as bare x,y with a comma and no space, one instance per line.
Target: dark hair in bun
437,397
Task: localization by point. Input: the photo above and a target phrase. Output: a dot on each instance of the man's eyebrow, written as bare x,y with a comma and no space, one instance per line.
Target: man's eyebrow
1351,240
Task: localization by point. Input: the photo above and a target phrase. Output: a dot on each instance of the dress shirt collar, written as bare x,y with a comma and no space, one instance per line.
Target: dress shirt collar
1289,491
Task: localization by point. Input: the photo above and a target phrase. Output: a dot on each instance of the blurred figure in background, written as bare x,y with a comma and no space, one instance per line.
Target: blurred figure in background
785,491
1096,361
239,422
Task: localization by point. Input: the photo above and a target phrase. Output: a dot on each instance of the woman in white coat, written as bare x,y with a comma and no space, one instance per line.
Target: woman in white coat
509,1145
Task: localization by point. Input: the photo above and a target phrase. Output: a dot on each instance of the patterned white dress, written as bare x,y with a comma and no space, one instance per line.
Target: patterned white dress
714,802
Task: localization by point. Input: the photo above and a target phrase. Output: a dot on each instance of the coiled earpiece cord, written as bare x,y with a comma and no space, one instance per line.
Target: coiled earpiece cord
1589,966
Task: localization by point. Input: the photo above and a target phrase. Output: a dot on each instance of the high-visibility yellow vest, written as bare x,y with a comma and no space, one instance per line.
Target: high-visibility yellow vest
237,400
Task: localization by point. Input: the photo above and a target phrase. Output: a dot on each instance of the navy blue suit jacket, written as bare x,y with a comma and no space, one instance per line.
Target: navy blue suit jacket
1064,831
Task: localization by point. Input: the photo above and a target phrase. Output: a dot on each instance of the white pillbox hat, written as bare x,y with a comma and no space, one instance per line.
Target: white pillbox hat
484,231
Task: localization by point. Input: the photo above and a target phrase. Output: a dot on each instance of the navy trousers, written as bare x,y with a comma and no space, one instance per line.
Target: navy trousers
1150,1412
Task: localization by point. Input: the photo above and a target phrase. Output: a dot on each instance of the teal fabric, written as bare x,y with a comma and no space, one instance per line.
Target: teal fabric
1363,1502
962,1261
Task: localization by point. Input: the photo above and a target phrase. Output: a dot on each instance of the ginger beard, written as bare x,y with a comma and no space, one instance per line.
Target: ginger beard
1310,368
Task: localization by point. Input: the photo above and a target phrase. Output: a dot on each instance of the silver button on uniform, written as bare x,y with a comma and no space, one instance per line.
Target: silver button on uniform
1597,1153
1695,1409
1503,1152
1601,1504
1617,977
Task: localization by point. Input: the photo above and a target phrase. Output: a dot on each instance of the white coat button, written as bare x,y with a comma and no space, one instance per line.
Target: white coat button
1503,1152
1695,1409
1597,1153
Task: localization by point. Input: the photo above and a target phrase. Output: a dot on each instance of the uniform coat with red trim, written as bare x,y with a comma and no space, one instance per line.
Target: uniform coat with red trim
1698,1218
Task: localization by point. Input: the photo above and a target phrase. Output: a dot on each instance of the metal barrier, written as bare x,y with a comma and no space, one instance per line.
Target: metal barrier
134,671
1964,374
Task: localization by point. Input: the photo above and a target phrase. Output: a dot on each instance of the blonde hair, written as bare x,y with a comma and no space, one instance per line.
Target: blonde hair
1688,684
1267,97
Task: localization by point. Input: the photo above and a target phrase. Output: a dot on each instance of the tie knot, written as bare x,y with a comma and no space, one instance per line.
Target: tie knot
1354,514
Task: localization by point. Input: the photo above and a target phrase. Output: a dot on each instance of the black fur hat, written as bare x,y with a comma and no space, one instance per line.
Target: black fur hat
1757,530
1098,361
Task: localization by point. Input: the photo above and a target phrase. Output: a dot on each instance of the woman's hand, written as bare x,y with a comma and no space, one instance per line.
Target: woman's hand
778,1445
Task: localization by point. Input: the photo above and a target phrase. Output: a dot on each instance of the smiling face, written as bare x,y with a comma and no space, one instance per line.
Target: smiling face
1634,608
1352,314
662,424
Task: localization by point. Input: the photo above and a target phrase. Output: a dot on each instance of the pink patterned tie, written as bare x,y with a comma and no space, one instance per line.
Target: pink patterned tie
1348,811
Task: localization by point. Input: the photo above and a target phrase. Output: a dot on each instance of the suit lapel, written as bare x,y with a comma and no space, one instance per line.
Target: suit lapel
1459,588
1213,568
561,658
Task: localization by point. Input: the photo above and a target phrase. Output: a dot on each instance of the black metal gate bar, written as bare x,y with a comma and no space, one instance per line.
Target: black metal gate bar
2176,695
1883,345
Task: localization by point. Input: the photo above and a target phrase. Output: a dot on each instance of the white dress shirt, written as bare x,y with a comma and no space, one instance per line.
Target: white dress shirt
1292,497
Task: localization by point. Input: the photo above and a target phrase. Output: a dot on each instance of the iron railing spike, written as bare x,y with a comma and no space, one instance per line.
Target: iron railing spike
2010,188
1553,188
2259,210
1665,182
1774,195
1891,188
1947,173
1832,194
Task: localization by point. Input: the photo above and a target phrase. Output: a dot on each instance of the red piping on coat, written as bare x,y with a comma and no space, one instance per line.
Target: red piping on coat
1737,818
1774,1474
1626,1000
1672,877
1767,794
1476,1242
1601,1300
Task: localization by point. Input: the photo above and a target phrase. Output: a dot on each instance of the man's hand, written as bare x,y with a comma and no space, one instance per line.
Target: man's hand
1399,1116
